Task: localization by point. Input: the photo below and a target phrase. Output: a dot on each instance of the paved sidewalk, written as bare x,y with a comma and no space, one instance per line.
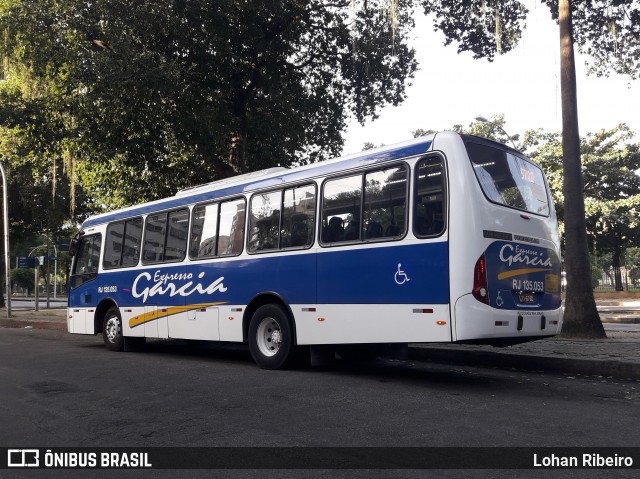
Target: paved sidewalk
617,356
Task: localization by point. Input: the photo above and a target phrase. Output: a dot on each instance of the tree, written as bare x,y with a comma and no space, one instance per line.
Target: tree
613,210
607,31
159,96
420,132
35,139
465,22
370,146
611,186
24,278
632,262
581,314
492,129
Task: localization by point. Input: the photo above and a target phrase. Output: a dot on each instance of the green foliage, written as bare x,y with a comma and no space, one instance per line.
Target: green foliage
608,32
632,262
493,129
420,132
611,184
152,97
23,278
481,27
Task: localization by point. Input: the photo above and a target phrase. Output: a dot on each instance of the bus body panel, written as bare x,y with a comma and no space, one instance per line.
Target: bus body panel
181,301
198,323
77,321
493,323
479,227
366,275
373,323
394,273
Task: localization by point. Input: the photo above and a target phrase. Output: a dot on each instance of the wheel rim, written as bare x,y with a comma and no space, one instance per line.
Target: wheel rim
112,329
269,337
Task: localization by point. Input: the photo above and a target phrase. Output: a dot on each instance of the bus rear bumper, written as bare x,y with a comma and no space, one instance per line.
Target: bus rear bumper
79,321
479,323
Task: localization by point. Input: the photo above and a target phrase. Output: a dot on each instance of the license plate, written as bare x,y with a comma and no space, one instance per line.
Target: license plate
526,298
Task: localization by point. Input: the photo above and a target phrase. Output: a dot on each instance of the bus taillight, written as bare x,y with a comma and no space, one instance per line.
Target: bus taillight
480,291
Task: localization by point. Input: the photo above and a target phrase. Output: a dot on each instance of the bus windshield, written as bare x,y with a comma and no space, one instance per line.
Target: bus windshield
508,179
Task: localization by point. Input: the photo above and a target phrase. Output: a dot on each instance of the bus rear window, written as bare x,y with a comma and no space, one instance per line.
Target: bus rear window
508,179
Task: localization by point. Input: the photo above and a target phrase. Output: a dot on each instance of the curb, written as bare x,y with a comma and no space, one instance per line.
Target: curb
621,319
587,367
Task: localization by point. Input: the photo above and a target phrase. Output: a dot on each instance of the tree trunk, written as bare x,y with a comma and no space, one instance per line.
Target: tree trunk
237,151
617,274
237,156
581,317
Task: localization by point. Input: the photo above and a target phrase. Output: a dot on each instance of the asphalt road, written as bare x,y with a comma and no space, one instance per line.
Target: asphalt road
61,390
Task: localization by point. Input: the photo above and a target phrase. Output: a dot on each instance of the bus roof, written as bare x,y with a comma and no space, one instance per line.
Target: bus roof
268,178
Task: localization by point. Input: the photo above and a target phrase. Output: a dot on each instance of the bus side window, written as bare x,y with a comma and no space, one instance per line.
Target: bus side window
165,237
122,244
85,266
178,227
429,208
114,240
231,230
154,235
132,240
264,222
341,199
298,216
204,226
385,203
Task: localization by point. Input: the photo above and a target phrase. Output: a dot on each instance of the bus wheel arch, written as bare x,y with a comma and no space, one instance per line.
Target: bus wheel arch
101,310
257,302
270,332
108,321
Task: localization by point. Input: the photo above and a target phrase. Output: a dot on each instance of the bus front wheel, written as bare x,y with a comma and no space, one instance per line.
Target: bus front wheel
271,337
112,330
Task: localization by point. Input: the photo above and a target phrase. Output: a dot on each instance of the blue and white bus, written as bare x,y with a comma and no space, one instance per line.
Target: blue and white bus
445,238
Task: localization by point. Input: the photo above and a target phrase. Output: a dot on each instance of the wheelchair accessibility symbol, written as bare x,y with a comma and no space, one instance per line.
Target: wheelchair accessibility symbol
400,276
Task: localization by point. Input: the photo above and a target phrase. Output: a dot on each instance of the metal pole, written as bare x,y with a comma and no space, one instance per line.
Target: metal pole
48,280
5,237
37,280
55,272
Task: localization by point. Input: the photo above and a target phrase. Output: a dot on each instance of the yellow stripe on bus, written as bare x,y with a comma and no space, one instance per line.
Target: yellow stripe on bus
518,272
168,311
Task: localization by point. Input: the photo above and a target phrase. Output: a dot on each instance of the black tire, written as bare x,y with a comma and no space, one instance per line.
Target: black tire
271,340
112,330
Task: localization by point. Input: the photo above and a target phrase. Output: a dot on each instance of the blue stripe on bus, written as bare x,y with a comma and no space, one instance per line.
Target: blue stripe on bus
322,168
409,274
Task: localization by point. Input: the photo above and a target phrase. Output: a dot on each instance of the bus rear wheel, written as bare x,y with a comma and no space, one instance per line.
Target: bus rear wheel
271,337
112,330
